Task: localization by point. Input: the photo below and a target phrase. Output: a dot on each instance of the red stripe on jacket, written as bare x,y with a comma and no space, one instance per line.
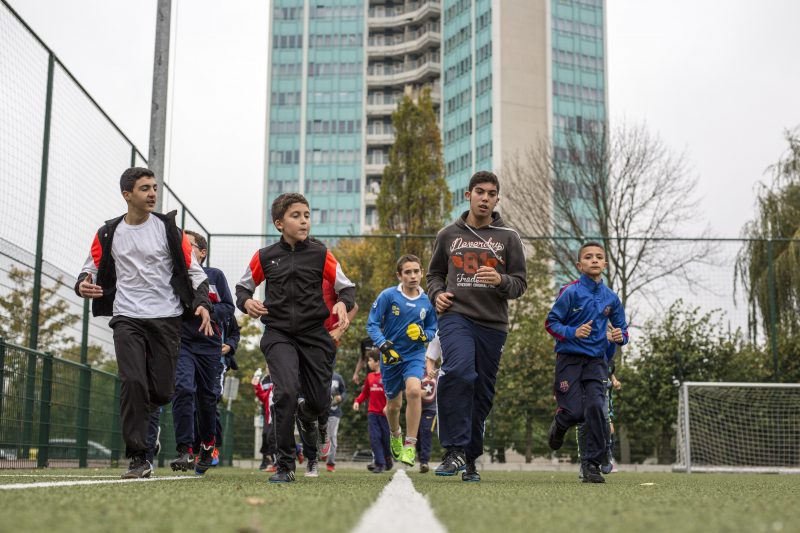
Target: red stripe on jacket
97,251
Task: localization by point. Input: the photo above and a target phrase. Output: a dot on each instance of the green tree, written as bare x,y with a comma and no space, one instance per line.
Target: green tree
762,258
54,315
524,401
685,344
414,198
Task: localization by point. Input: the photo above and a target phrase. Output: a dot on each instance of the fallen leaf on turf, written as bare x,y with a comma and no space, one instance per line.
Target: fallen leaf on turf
647,484
255,501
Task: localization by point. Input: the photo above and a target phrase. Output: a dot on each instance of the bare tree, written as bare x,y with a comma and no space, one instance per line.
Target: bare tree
625,188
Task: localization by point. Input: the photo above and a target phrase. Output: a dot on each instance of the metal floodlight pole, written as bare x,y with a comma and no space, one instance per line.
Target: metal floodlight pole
158,107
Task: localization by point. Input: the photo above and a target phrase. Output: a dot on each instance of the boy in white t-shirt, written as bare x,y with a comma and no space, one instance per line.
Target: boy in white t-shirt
143,273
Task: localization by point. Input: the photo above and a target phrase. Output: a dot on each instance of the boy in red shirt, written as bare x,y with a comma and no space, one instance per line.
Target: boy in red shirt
376,417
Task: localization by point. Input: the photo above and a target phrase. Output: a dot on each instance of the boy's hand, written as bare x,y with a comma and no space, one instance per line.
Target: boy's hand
254,308
89,289
355,406
488,275
255,381
584,331
389,354
416,333
226,349
443,301
205,321
615,382
340,310
616,335
356,379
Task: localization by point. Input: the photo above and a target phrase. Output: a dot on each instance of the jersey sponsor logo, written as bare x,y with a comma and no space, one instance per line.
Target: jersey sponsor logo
409,304
563,386
422,314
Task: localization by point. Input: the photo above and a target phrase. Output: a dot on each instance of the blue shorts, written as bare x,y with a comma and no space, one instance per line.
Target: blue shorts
394,376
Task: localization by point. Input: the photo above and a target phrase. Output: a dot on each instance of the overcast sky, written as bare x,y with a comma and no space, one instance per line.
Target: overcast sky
718,79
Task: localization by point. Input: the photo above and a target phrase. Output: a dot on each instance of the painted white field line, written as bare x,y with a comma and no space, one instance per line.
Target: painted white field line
46,484
57,475
400,508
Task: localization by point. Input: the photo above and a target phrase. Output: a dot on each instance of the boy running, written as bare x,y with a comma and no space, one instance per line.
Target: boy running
143,273
578,321
373,393
400,323
298,349
478,264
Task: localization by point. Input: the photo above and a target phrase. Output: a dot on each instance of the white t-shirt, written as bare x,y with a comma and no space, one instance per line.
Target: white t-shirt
144,269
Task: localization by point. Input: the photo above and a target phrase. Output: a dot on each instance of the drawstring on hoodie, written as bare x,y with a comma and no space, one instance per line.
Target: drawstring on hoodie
500,259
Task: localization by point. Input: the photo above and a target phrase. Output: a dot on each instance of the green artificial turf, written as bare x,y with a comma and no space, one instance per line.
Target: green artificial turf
238,500
225,500
541,501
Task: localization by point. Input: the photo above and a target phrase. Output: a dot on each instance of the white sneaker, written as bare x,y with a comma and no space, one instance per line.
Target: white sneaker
311,469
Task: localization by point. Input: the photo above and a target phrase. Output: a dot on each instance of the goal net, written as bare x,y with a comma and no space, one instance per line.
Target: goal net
738,427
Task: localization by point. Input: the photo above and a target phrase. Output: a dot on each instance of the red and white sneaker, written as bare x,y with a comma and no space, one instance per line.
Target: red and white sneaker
325,449
330,468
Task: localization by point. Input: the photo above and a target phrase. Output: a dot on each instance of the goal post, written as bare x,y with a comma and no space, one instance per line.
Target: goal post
738,427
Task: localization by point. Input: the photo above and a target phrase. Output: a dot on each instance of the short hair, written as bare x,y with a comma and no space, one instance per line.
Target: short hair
408,258
590,244
201,241
484,176
374,354
128,179
282,203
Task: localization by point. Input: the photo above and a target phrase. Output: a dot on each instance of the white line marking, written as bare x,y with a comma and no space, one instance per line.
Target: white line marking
46,484
56,475
400,508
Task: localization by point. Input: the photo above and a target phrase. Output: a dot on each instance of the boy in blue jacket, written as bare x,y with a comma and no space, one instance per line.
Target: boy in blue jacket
400,322
578,321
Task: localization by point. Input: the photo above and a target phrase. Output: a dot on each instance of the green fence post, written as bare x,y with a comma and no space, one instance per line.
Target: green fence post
2,375
37,273
44,410
116,436
82,437
773,311
27,407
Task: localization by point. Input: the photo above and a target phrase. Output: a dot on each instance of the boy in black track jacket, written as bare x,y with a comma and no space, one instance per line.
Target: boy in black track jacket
142,271
297,347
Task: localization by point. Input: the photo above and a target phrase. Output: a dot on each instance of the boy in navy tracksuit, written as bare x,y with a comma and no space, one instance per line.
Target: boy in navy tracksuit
478,264
578,320
298,349
198,373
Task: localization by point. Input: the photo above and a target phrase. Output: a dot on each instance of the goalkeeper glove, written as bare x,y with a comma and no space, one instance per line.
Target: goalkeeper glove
388,354
416,333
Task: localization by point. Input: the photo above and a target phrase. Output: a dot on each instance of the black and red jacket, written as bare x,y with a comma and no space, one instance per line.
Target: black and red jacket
294,277
180,249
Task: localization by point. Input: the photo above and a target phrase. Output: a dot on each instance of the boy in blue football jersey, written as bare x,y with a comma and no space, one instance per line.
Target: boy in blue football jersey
400,322
578,321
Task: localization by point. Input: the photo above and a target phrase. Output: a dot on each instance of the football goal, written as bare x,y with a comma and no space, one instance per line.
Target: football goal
738,427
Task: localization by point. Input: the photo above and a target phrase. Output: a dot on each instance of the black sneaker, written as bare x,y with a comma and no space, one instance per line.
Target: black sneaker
184,461
264,463
424,468
379,469
555,436
470,473
592,474
389,462
282,475
371,467
205,460
452,462
138,468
